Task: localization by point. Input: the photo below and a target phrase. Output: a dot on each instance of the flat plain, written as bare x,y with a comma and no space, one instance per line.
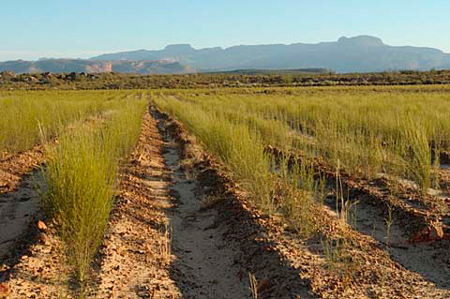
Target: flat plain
250,192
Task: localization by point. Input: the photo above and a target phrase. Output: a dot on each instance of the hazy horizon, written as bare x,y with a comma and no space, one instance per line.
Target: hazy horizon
84,29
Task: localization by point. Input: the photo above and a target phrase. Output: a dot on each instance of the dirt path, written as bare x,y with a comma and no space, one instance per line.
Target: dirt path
160,243
205,266
136,250
234,240
175,235
171,235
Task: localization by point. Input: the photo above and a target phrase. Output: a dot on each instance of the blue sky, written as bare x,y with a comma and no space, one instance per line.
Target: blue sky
31,29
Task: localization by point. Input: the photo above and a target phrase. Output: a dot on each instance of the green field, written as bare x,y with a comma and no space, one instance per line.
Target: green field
288,149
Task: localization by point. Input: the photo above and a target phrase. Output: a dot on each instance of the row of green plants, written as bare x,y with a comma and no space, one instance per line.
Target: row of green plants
365,132
274,186
81,174
29,118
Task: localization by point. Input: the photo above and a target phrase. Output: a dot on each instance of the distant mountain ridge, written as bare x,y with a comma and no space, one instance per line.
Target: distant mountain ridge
346,55
95,66
356,54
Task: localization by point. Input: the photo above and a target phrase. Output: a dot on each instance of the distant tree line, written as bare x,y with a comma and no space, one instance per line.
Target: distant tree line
9,80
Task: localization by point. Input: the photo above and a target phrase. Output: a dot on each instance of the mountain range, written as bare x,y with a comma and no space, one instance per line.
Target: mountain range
356,54
95,66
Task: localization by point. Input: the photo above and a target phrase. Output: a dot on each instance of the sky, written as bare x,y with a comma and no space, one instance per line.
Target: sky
33,29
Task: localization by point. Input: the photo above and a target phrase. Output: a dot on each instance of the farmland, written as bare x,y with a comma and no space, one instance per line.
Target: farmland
250,192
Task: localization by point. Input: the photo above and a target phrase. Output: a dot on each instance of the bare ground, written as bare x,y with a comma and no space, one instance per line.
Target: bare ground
168,237
18,195
431,260
159,244
136,250
17,210
32,264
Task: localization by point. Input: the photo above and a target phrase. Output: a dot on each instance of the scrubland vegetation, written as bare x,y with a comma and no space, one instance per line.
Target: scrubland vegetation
365,133
27,119
94,131
81,175
277,144
242,78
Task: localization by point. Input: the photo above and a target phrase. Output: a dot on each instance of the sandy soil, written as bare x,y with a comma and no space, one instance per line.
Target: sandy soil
205,263
178,232
18,195
136,250
431,260
18,209
32,264
161,243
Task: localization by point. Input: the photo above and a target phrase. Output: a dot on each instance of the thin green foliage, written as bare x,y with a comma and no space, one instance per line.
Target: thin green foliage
369,133
81,175
365,133
240,144
28,117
